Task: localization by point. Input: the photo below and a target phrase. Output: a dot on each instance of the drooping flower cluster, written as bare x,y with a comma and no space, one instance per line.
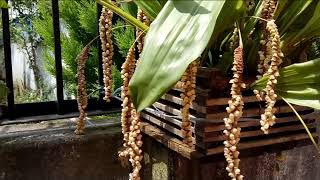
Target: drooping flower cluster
135,144
268,118
105,27
130,120
265,52
144,19
188,80
127,106
232,131
82,97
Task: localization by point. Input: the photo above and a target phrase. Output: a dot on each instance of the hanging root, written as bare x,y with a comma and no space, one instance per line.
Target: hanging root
268,118
188,81
232,131
105,26
127,106
82,97
144,19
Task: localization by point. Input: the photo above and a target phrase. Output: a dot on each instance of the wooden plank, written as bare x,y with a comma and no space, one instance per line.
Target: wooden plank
263,142
247,122
178,100
170,142
169,109
161,124
224,101
255,112
255,133
163,116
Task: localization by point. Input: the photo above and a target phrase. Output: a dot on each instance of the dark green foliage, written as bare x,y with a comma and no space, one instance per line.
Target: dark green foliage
78,27
124,37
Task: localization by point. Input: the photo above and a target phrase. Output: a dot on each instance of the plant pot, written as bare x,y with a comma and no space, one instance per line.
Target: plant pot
209,109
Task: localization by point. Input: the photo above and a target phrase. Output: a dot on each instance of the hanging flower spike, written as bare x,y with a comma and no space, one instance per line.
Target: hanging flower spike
127,105
105,27
130,120
82,97
143,18
188,80
265,53
135,143
268,118
232,131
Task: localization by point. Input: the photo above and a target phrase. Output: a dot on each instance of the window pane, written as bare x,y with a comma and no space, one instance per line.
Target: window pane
32,53
2,68
78,26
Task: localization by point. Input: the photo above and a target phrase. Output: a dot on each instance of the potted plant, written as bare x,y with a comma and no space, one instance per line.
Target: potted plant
245,40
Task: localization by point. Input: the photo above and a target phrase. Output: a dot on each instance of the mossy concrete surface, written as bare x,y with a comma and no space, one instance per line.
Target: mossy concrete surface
50,151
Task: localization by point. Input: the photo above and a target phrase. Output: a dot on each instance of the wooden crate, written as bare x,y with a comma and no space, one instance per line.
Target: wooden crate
208,111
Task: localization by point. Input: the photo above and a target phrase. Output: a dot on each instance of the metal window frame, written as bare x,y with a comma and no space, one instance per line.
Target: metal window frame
61,106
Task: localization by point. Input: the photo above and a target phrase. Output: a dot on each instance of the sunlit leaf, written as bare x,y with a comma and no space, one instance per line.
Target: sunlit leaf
298,84
129,7
177,36
151,8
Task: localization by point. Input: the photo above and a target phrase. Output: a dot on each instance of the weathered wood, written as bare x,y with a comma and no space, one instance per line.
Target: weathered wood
258,132
178,100
255,112
224,101
248,122
169,109
264,142
170,142
166,126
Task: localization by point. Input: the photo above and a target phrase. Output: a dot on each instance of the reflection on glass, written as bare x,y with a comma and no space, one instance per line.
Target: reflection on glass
31,32
78,27
3,99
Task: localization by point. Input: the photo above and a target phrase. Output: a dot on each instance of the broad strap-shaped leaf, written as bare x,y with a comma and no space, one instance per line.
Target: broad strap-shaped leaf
177,36
129,7
298,84
151,7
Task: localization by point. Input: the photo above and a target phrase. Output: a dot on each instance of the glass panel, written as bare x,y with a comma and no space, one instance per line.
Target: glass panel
3,99
78,27
32,53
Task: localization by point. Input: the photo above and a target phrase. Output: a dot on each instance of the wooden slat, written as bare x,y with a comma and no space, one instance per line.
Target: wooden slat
224,101
272,130
255,112
178,100
246,122
163,117
170,142
264,142
169,109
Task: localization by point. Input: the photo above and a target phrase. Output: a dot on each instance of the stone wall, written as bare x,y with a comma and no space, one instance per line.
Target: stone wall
50,151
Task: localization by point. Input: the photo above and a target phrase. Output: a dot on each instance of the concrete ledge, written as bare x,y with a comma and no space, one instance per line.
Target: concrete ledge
50,150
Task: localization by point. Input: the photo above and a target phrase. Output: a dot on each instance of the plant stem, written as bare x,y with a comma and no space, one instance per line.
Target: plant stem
127,17
304,125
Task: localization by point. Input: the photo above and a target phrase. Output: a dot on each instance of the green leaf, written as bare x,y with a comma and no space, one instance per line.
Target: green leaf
291,14
4,4
298,84
129,7
177,36
151,8
305,27
126,16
